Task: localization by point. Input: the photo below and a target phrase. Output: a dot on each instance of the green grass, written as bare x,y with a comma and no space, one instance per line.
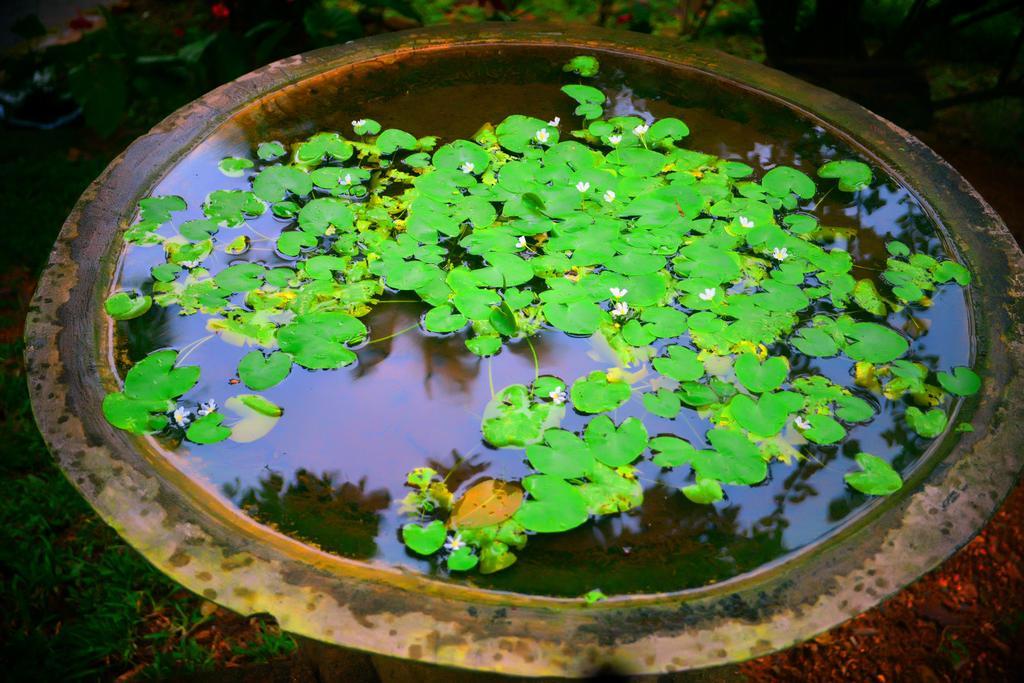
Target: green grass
77,602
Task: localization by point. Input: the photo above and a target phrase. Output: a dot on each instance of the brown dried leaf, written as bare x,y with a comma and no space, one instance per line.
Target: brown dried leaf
490,502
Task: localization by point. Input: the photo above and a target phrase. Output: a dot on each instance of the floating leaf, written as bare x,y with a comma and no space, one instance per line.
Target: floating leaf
255,419
704,492
234,167
155,377
852,175
963,381
491,501
761,377
424,540
443,319
207,429
681,364
317,340
595,394
584,65
273,183
554,505
462,560
563,455
139,416
875,343
767,415
268,151
671,451
735,459
512,420
782,180
260,372
616,446
127,305
928,424
824,430
878,478
663,403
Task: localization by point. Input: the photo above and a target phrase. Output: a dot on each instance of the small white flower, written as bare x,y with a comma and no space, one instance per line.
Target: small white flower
568,254
206,407
181,416
614,139
467,167
542,135
609,196
558,396
780,254
521,242
620,309
454,543
641,129
555,121
189,264
358,123
347,180
801,423
618,292
582,186
707,295
746,222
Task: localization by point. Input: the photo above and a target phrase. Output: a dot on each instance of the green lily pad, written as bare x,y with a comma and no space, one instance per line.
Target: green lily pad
782,180
768,414
513,420
735,459
443,319
424,540
616,446
761,377
963,381
462,560
852,175
234,167
824,430
928,424
156,378
680,364
878,478
274,183
671,451
663,403
317,340
260,372
554,505
596,394
584,65
207,429
127,305
704,492
874,343
563,455
136,415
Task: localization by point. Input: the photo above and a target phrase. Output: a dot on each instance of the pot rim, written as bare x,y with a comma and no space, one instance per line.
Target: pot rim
190,534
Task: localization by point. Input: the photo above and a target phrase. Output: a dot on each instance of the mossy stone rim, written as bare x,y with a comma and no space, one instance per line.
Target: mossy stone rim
186,532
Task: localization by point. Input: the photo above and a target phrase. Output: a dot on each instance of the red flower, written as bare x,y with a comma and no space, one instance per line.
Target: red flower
623,18
220,10
80,23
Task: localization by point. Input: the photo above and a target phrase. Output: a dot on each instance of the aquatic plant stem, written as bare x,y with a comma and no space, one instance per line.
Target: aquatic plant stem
536,363
394,334
187,350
